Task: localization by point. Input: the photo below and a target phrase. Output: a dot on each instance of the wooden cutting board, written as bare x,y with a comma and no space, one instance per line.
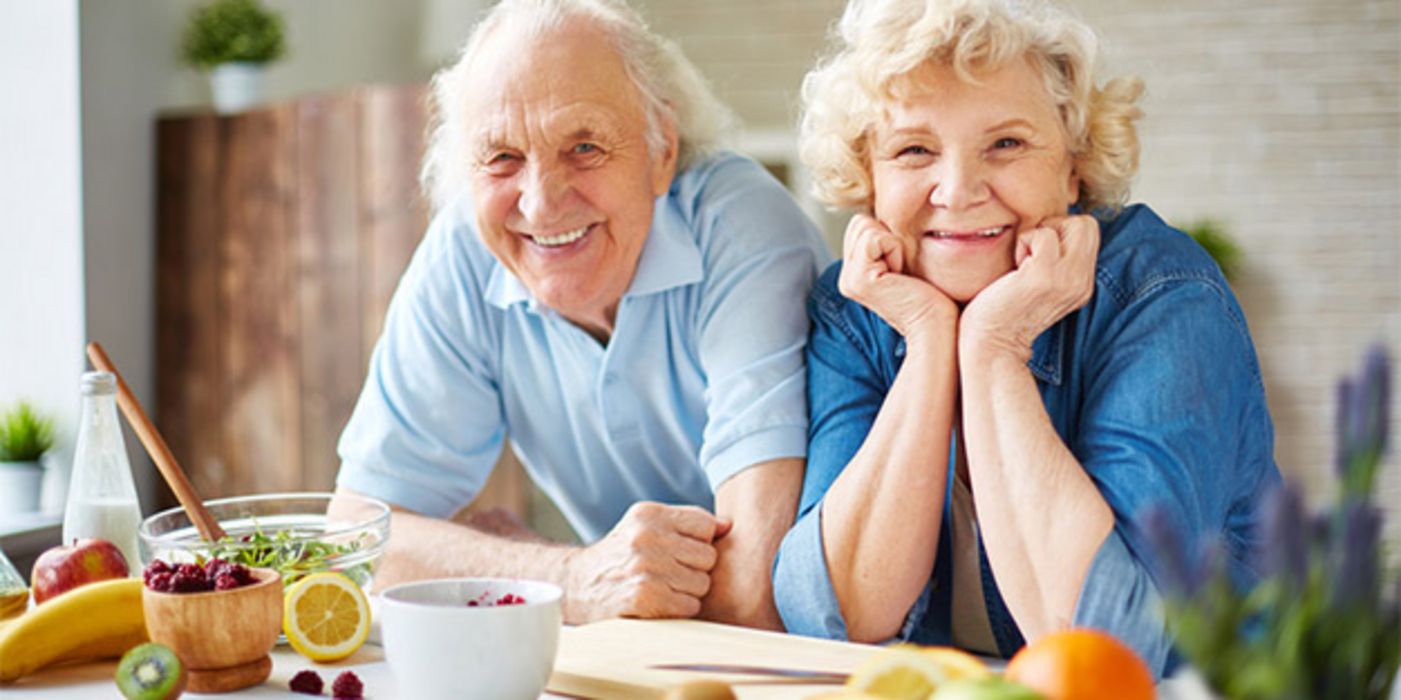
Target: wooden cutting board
611,660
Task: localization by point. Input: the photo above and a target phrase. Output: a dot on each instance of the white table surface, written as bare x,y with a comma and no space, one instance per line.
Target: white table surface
93,680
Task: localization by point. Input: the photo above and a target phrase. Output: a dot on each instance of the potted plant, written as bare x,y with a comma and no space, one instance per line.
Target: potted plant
1323,620
234,40
25,436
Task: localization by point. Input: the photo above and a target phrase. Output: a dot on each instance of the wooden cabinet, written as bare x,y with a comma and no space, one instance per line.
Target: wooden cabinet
281,235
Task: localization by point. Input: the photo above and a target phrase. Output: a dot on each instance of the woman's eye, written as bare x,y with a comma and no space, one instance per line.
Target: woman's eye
1006,142
912,151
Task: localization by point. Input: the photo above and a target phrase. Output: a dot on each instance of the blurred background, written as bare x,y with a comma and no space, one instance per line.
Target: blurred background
1279,120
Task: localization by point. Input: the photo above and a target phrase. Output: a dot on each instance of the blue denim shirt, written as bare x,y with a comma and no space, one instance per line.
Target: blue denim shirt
1153,385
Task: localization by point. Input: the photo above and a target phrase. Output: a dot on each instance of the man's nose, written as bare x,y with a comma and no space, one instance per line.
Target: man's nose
543,192
960,182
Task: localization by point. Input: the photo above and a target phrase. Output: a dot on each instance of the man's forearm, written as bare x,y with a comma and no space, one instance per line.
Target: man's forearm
423,547
761,502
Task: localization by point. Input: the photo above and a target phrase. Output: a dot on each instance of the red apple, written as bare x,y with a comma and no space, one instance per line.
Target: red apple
65,567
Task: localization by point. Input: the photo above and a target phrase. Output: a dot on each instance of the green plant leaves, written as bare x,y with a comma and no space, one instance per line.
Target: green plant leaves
25,435
229,31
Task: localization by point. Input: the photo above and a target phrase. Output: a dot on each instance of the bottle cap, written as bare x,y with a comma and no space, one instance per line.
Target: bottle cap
99,383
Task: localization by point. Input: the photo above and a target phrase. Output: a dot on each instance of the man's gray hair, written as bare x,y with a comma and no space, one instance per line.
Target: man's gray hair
671,88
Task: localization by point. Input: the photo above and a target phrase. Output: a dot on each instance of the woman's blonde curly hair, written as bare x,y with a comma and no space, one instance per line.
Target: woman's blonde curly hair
879,42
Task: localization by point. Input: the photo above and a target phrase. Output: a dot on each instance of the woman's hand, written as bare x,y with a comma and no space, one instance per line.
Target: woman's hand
1054,275
875,273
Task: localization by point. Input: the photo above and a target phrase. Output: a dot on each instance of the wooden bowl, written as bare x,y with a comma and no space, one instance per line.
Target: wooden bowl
222,637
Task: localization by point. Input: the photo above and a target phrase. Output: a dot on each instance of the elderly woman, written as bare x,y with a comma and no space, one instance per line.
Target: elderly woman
1007,366
616,296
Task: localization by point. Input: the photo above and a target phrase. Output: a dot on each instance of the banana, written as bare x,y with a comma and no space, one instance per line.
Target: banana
98,620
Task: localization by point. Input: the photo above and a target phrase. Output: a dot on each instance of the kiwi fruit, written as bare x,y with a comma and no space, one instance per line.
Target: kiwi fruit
151,672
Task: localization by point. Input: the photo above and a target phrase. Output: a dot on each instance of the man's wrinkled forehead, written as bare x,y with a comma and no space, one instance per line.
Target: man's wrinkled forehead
570,73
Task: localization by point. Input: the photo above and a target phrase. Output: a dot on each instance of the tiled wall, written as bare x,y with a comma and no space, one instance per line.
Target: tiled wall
1281,118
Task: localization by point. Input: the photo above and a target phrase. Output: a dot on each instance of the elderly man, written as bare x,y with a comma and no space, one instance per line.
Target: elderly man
625,305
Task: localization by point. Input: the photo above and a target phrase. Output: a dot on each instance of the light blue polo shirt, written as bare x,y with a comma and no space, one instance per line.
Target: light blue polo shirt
703,376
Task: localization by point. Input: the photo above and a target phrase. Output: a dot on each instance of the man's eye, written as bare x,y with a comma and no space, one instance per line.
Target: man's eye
587,149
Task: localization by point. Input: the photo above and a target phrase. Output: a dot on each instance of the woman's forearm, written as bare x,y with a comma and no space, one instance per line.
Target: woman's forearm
880,519
1041,517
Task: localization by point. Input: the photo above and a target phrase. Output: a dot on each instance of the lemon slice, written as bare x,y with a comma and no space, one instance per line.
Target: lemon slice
326,616
906,672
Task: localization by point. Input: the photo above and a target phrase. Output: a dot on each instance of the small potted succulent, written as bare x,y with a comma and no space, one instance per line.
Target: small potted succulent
1323,621
234,40
25,436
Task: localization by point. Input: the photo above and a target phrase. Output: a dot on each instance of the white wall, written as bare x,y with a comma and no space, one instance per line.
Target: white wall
41,281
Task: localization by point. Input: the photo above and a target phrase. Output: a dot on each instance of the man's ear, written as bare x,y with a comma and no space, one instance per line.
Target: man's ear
664,163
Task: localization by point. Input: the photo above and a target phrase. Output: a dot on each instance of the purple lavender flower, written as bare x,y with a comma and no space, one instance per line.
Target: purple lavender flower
1361,425
1182,567
1285,537
1357,581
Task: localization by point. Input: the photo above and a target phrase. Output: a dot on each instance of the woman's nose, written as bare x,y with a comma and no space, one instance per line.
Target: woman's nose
960,182
543,192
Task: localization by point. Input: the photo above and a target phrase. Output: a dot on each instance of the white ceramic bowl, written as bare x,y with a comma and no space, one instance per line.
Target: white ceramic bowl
438,646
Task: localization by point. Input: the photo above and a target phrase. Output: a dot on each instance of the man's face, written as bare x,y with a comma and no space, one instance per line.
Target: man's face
563,180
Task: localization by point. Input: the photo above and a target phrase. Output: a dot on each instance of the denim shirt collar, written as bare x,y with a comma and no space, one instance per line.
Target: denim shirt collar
670,258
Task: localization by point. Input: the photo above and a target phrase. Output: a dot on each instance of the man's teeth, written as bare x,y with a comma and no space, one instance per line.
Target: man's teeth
985,233
562,239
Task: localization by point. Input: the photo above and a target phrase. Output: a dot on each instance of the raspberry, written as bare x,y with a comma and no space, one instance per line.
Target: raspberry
226,582
182,582
160,582
306,681
155,567
510,599
347,687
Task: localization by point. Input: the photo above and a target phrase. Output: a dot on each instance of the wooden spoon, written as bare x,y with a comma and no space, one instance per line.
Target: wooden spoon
160,453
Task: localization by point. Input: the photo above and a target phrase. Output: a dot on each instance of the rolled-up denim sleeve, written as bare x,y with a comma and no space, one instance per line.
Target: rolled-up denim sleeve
1119,597
803,590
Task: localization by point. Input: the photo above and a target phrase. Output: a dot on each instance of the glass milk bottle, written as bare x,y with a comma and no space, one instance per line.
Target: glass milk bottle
102,496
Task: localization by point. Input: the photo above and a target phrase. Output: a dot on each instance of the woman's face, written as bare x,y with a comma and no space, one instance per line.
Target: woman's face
958,169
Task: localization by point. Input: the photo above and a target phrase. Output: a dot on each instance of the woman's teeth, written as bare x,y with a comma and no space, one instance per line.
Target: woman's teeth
562,239
984,233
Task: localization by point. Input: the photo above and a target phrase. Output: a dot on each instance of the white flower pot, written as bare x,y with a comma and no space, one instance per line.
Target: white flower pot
19,486
237,86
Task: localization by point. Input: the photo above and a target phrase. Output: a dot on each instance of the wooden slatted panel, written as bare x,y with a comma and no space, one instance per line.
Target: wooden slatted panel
282,235
263,422
328,278
393,213
189,390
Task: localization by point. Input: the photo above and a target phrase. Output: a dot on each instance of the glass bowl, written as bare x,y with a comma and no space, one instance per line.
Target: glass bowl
289,532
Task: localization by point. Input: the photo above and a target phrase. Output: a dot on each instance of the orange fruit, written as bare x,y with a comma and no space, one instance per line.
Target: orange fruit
1082,664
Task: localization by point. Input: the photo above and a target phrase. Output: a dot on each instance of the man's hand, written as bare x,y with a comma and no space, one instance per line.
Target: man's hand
655,563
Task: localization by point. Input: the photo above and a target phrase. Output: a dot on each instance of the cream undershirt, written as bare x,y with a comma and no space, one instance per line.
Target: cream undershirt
969,625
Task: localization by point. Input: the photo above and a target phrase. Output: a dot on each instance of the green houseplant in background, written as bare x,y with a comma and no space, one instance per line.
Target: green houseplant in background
25,436
1324,621
234,40
1211,235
